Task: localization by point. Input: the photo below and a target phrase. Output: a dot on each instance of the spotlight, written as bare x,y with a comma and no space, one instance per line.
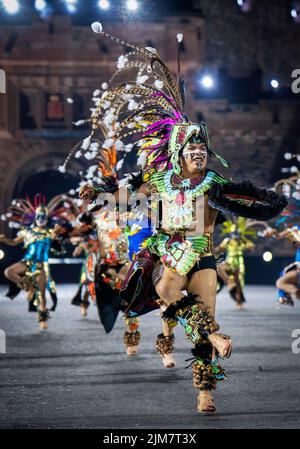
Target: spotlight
40,5
207,82
103,4
245,5
132,5
11,6
274,84
2,254
71,5
294,13
267,256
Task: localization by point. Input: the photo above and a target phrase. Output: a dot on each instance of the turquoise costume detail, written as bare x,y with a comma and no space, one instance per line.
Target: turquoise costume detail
37,243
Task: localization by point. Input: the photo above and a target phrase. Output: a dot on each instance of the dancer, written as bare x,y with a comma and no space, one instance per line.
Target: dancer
106,272
137,234
191,196
43,228
236,242
288,282
89,246
113,243
14,290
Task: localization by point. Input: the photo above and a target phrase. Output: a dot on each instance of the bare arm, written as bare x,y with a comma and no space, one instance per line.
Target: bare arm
78,250
10,242
284,234
222,246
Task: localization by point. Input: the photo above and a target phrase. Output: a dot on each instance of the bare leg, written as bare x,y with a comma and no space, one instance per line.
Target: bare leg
41,282
42,310
222,272
167,330
84,304
169,286
238,295
204,284
15,272
288,282
200,326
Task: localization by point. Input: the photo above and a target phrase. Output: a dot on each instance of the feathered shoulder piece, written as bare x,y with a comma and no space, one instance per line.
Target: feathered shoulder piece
247,200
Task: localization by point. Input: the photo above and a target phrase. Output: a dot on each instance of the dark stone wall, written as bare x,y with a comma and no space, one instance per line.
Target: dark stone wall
265,37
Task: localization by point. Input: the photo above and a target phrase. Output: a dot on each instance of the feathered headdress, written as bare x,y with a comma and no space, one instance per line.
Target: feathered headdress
241,227
61,209
149,110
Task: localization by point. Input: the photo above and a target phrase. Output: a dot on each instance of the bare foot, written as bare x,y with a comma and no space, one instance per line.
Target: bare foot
222,343
83,311
43,325
169,360
131,350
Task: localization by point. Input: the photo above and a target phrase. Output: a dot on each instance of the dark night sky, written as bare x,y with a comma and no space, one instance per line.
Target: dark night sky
88,10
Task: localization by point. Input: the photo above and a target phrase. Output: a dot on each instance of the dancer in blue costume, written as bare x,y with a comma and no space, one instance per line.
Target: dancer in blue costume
288,283
43,229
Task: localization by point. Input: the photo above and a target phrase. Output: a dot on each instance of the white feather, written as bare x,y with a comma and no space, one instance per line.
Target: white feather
151,49
142,159
142,79
159,84
86,143
132,105
97,27
108,143
179,37
79,123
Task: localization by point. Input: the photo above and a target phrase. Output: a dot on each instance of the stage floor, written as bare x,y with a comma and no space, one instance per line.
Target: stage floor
75,376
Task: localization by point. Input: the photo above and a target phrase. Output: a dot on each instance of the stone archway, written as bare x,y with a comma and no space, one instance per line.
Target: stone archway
42,176
21,163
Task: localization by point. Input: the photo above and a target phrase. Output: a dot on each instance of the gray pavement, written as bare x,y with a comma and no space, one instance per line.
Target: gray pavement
75,376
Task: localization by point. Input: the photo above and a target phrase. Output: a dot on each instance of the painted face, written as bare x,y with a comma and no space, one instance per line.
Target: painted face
41,218
194,156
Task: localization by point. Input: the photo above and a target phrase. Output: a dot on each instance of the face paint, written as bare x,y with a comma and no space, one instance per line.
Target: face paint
41,218
193,153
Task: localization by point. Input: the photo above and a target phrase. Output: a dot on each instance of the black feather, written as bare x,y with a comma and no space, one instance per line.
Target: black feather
185,301
136,181
247,200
